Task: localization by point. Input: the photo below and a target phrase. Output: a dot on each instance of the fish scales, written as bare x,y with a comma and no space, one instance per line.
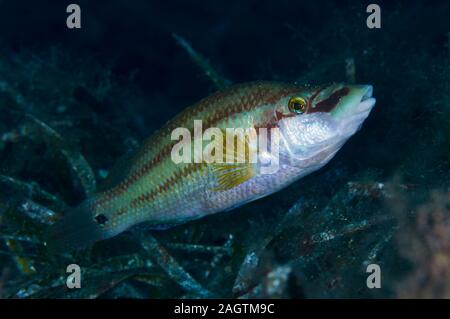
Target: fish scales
155,179
313,121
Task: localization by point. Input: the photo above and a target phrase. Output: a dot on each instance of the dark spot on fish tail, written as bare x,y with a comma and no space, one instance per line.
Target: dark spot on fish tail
101,219
328,104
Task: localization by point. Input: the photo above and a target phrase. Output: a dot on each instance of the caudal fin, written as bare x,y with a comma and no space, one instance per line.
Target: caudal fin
76,230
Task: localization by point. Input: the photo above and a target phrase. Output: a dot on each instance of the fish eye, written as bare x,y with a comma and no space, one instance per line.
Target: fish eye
297,104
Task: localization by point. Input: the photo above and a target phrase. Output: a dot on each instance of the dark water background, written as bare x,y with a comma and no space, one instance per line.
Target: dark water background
73,101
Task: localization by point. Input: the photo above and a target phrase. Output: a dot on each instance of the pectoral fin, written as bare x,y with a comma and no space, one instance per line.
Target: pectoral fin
231,175
237,168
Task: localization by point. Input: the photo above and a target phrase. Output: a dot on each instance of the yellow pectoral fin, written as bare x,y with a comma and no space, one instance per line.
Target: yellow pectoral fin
231,175
238,161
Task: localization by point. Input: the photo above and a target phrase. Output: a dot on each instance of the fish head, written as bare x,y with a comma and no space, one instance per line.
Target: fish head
317,121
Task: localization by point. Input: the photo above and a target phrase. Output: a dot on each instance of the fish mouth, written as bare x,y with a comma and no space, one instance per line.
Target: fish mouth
357,109
367,101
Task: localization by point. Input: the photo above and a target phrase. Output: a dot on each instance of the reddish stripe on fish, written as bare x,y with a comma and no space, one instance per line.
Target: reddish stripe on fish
246,102
328,104
168,183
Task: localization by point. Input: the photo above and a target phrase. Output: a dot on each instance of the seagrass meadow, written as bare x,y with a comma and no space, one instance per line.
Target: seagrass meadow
75,101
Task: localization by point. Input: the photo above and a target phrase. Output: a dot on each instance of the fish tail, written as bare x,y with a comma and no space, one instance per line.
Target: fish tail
76,230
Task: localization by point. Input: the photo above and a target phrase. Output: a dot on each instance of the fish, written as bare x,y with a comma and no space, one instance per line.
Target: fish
305,124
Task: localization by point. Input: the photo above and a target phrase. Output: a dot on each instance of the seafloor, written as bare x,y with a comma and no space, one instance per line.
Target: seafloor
73,101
